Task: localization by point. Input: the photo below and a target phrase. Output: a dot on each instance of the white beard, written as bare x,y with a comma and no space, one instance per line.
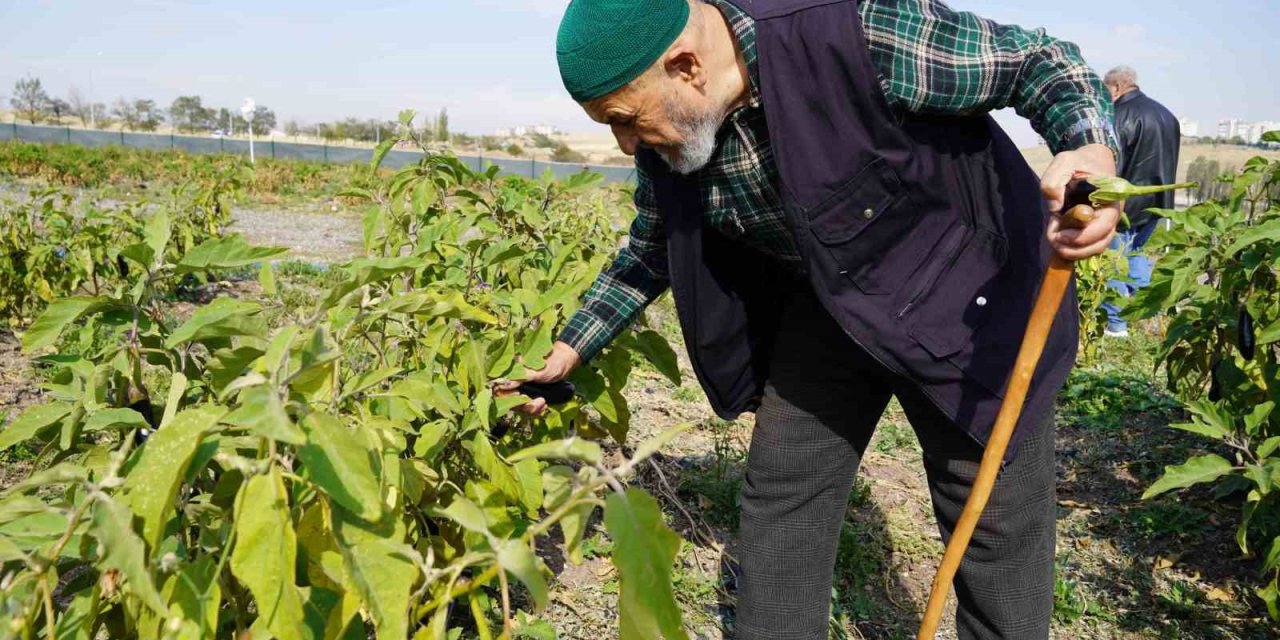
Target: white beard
699,133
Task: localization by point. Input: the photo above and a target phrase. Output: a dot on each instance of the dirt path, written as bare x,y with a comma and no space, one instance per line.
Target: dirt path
311,236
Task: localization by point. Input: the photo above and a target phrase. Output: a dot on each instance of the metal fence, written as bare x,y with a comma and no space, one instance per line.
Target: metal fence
531,168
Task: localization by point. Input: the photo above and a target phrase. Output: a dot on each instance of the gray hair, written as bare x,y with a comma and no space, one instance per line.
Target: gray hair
1124,76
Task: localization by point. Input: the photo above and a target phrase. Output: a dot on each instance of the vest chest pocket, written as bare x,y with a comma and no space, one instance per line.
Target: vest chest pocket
870,226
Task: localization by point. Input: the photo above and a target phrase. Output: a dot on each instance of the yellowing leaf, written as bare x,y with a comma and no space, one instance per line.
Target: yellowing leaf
382,569
265,554
337,460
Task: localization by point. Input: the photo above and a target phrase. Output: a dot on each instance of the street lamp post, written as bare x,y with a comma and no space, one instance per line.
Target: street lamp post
247,111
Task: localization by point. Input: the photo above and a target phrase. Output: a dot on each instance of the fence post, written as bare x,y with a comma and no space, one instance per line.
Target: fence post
533,166
273,149
222,144
326,150
68,135
15,130
122,137
171,143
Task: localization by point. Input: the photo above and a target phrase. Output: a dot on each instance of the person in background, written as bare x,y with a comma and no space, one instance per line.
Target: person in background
1150,139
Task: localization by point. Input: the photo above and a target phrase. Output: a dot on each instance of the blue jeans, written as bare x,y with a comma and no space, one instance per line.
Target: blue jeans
1131,241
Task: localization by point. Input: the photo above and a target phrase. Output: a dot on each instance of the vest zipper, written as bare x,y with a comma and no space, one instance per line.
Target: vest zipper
950,253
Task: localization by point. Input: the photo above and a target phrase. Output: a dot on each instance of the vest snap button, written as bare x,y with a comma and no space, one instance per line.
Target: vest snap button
869,214
982,302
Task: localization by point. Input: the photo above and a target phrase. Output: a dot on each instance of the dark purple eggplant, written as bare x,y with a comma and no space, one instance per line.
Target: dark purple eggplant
1215,385
1246,338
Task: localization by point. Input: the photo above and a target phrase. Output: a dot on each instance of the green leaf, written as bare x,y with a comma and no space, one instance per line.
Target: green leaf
262,413
1268,447
50,325
177,389
1271,136
157,233
63,473
1255,419
267,278
105,419
186,590
34,421
369,379
653,445
365,271
516,558
1270,334
1267,231
153,483
577,449
337,460
380,152
465,513
222,318
226,252
383,569
123,550
1112,189
77,622
488,461
1197,470
265,554
533,629
537,345
658,352
644,549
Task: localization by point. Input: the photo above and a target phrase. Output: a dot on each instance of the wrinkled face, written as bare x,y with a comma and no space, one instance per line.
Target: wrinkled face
665,115
1115,91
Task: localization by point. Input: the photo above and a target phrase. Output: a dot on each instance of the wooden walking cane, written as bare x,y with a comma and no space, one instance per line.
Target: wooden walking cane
1052,290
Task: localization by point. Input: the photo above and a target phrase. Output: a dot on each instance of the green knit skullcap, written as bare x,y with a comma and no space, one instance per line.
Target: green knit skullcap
604,44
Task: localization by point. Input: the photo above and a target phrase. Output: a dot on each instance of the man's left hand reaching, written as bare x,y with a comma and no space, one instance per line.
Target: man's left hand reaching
1067,169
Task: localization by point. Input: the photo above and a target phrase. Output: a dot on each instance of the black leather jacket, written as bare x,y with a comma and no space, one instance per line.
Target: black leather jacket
1150,139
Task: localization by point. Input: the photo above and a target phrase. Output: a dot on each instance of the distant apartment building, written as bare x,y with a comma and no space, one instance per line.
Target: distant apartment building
1190,128
1250,132
520,132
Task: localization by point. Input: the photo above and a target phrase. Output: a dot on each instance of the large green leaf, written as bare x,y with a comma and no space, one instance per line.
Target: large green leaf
1267,231
643,550
657,351
337,460
32,423
222,318
1197,470
46,329
187,591
122,550
265,554
106,419
369,270
382,568
579,449
262,412
77,622
226,252
153,483
515,557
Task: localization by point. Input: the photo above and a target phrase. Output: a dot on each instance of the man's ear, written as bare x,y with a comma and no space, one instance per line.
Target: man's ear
684,64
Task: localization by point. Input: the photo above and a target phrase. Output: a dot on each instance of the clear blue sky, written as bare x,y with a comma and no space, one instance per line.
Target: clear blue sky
492,63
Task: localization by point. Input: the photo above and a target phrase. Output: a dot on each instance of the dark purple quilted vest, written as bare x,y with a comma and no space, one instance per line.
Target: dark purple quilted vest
923,237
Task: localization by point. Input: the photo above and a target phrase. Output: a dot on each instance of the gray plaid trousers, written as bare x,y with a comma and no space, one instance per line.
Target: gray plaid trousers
820,408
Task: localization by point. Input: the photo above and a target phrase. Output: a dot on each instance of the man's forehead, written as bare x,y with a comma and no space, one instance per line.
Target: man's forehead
613,107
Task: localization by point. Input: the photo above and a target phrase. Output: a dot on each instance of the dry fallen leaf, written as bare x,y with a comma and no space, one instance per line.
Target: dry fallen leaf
1220,595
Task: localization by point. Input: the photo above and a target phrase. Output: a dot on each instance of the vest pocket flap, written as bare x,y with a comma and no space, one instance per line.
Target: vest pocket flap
858,203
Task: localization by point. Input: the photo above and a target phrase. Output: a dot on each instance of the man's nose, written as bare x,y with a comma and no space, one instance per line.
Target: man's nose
628,141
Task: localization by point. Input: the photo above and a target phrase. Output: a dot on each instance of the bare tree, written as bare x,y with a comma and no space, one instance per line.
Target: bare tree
29,99
80,106
127,113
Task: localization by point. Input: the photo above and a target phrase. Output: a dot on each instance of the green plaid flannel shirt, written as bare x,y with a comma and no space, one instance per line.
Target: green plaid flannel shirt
932,60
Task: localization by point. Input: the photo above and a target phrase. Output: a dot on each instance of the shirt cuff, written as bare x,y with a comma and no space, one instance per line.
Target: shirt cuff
1089,131
587,334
